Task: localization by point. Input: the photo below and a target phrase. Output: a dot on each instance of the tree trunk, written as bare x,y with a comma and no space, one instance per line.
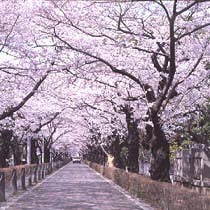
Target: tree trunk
5,138
3,153
133,139
17,155
133,154
116,153
34,157
2,160
46,155
160,162
16,150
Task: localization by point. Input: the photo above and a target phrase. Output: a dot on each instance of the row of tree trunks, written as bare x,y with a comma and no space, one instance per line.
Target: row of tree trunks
9,146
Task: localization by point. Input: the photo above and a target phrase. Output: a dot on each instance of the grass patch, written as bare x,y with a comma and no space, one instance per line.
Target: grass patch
159,194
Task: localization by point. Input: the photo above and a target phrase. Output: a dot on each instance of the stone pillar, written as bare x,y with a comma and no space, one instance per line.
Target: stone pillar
30,177
13,159
23,179
35,174
43,150
14,181
28,150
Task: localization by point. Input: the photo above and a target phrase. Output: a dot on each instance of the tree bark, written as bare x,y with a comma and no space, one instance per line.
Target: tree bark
133,155
2,160
116,150
34,157
9,111
5,137
133,140
17,154
46,155
160,162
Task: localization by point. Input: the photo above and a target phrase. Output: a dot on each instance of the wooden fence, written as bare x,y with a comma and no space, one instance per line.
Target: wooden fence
16,177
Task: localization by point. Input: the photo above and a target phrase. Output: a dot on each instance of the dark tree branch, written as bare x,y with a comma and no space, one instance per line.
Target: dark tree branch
59,136
160,2
147,33
9,111
97,108
189,6
149,51
70,23
190,32
120,22
8,35
114,69
46,123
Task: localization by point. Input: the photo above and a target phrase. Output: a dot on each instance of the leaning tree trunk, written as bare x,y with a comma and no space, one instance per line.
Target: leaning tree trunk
160,162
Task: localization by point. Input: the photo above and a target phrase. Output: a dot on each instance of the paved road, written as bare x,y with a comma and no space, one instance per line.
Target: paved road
75,187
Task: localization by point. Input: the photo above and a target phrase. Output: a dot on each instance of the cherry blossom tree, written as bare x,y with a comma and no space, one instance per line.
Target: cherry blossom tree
160,46
114,69
22,73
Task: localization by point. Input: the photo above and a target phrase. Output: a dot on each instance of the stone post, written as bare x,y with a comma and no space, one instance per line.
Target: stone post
39,172
23,179
35,174
28,150
43,150
2,187
30,177
14,181
43,171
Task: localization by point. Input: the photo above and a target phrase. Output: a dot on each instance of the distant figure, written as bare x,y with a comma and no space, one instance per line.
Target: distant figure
110,158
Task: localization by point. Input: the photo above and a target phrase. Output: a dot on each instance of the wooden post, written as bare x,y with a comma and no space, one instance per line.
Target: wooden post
50,168
30,177
43,171
2,187
39,172
35,174
14,181
53,163
23,179
46,169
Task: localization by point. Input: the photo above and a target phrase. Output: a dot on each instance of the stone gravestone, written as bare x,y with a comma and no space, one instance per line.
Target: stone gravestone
144,167
192,166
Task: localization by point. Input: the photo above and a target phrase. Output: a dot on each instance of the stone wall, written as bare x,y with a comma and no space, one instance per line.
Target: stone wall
192,166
